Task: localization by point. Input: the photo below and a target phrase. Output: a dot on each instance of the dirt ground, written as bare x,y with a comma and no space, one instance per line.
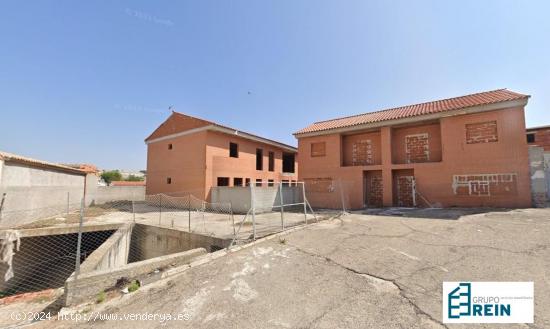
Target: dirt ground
359,271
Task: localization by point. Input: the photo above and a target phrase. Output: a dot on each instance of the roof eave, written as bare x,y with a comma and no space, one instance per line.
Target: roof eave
259,139
228,131
419,118
538,128
52,167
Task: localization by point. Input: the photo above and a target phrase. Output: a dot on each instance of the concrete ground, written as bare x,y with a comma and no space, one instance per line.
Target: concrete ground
359,271
221,224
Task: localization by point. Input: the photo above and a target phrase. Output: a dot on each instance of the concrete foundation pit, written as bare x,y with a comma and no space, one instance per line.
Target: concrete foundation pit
109,254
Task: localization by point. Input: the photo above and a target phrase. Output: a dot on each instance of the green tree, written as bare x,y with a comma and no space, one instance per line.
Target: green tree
134,178
111,176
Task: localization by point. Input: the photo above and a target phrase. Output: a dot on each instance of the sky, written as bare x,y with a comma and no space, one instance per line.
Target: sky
88,81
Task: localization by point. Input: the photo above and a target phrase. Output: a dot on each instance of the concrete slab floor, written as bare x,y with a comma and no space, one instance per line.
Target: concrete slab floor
359,271
213,224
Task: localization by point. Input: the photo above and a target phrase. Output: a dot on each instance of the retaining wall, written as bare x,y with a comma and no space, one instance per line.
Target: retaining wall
88,285
112,253
152,241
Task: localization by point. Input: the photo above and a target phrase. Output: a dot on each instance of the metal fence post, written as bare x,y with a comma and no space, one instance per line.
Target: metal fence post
2,204
79,241
413,185
253,204
304,200
203,221
68,200
282,208
160,208
232,218
342,196
189,212
133,211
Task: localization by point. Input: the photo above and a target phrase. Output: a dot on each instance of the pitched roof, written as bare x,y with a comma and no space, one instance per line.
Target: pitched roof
449,104
86,167
179,123
538,128
10,157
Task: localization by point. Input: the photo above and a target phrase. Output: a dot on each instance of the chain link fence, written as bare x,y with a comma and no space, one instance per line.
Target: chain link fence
67,242
329,195
278,206
41,259
18,207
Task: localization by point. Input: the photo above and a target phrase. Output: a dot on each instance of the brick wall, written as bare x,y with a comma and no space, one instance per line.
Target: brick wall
542,138
483,132
405,191
434,178
485,185
428,138
362,153
361,149
417,148
375,191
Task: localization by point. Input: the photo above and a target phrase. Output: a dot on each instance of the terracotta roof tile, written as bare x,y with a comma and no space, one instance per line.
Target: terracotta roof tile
10,157
179,122
483,98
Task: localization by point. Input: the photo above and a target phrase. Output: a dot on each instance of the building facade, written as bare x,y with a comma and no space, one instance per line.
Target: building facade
190,155
538,139
464,151
539,136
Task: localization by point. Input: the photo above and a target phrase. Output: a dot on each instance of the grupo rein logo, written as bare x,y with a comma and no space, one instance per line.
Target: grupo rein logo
488,302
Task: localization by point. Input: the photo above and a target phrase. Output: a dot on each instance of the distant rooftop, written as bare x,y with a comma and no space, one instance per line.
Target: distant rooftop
88,168
10,157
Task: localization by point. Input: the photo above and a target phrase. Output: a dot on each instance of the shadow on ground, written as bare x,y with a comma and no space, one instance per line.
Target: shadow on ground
432,213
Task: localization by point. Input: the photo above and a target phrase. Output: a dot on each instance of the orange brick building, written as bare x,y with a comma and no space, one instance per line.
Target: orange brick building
463,151
190,155
539,136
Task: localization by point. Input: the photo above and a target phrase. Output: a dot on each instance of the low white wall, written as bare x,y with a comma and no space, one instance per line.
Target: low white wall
238,196
35,193
32,193
103,194
265,197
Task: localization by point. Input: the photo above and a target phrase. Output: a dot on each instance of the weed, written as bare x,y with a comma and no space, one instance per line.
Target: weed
101,297
133,286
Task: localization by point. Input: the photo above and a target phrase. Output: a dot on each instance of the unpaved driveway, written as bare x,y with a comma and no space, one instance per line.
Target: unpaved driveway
356,272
